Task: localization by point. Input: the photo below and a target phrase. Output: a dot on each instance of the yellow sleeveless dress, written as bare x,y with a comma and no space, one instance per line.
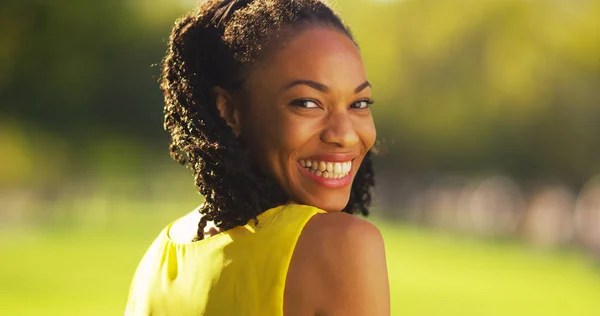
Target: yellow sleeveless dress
241,271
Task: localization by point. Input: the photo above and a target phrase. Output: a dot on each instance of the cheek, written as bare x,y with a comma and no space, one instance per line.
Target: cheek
294,133
286,138
275,136
367,132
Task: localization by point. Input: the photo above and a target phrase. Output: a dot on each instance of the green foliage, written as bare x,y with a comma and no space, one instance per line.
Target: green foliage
465,85
476,85
470,85
83,69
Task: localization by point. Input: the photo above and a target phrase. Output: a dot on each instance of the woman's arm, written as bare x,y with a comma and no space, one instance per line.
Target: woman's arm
338,268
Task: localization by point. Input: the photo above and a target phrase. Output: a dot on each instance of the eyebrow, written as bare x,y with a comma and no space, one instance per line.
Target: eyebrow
321,87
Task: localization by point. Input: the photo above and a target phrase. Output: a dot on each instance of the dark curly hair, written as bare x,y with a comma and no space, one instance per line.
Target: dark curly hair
216,46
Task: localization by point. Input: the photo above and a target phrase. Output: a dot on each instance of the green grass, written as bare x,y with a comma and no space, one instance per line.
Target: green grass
85,269
434,274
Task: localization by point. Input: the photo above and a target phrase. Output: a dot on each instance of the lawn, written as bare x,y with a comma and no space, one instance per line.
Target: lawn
85,269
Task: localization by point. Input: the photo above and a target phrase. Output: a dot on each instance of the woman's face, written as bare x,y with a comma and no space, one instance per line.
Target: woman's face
307,118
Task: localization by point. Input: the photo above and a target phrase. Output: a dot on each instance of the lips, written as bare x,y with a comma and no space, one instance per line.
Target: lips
332,170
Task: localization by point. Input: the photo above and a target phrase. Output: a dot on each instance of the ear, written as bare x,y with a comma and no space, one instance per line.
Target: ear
228,109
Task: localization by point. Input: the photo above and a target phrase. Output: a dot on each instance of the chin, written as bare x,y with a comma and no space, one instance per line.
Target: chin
330,203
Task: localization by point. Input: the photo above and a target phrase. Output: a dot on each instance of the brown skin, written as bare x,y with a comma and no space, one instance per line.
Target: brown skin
338,266
283,129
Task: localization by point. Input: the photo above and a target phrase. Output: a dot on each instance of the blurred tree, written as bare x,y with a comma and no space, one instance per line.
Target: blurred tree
468,85
82,69
486,85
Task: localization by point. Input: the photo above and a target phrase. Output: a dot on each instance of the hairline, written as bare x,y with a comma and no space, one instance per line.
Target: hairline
280,39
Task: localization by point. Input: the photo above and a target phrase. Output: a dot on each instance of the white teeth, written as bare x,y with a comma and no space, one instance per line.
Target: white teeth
322,166
337,167
328,170
329,166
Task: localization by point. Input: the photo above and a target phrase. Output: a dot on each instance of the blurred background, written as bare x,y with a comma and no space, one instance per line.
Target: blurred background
488,166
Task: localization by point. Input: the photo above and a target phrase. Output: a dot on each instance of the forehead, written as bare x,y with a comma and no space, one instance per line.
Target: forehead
321,54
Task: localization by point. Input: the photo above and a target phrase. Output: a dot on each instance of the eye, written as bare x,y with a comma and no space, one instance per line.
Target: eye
362,104
305,103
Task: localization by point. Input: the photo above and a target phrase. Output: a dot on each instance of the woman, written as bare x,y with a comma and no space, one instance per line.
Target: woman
267,101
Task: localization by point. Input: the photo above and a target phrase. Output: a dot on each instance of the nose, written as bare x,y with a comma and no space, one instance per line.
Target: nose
340,130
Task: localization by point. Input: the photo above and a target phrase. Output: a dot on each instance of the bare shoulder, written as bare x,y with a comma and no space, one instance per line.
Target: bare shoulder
341,229
341,260
343,242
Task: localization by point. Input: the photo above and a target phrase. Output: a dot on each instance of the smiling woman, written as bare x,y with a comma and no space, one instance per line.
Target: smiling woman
267,101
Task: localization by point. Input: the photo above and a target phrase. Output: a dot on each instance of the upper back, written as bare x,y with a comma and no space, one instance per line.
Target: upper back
241,271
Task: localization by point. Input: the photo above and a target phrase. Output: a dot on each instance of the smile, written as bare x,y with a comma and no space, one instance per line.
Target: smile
327,169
